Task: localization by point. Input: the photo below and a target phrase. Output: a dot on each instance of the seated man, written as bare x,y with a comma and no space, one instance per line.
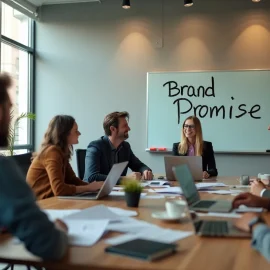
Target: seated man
254,223
19,213
112,148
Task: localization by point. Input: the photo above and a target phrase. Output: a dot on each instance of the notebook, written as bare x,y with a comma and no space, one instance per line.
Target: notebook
143,249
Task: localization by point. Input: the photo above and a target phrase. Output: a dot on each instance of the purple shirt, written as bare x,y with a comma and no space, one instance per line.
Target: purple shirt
191,150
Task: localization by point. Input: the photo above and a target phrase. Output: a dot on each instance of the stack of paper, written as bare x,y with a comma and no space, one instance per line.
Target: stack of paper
152,233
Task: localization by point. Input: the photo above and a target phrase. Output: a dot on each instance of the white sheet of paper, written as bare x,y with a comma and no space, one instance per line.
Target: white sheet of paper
245,209
172,190
226,215
129,225
122,212
117,188
85,233
122,193
156,183
207,185
98,212
152,233
158,196
53,214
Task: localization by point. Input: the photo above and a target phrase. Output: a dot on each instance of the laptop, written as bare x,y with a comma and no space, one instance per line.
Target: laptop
194,163
107,186
186,181
218,228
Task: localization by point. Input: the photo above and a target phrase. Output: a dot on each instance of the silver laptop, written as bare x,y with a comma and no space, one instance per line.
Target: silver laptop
218,228
186,181
194,163
107,186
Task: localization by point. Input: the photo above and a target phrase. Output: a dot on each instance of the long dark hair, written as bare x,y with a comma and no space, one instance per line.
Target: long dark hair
57,134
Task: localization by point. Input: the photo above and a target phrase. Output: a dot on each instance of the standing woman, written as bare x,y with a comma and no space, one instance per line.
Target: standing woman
192,144
50,173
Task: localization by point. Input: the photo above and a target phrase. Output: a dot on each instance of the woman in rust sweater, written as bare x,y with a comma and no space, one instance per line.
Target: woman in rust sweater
50,173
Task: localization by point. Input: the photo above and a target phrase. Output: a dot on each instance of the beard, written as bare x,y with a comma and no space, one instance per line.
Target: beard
123,136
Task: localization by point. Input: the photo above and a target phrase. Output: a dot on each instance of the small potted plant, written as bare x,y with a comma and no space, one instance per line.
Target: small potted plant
133,191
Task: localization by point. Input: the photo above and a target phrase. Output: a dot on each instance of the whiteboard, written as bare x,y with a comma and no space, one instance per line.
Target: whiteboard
233,106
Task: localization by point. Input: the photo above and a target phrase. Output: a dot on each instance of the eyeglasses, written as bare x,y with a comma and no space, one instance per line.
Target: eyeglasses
189,126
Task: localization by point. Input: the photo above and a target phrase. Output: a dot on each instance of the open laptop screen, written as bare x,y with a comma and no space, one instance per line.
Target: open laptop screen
186,181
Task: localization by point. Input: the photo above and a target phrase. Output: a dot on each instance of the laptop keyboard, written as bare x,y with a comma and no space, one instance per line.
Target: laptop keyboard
204,204
213,228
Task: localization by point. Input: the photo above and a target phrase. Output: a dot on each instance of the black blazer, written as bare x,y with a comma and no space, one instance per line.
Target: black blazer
208,158
98,160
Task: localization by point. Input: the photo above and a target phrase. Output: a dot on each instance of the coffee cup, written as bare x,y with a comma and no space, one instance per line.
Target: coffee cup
265,178
176,208
244,180
260,175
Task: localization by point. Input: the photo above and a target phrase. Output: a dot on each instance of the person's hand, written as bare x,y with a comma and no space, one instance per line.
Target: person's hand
135,175
147,175
250,200
257,187
60,225
242,223
94,186
205,175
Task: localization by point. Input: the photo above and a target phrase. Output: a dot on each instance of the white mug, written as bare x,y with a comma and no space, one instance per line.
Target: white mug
265,178
176,208
260,175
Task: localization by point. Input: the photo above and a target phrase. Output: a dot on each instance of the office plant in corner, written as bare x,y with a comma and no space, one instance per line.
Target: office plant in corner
133,190
13,127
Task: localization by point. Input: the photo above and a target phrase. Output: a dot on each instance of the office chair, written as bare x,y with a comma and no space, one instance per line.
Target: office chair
23,161
80,158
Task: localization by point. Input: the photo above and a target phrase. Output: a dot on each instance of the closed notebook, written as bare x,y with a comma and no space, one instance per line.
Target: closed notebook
143,249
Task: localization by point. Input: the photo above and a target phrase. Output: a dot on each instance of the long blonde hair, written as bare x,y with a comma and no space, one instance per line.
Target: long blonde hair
184,144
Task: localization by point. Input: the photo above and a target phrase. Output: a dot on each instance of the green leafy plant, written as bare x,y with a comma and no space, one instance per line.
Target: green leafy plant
12,135
132,186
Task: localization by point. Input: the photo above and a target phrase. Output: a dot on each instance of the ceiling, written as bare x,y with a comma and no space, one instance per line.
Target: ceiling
53,2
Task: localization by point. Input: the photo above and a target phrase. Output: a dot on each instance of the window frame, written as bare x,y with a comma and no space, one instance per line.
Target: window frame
31,50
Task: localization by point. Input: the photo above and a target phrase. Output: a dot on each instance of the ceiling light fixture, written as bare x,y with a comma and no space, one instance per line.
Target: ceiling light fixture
126,4
188,3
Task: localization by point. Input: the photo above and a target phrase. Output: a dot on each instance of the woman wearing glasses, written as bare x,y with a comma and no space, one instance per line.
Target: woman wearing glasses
192,144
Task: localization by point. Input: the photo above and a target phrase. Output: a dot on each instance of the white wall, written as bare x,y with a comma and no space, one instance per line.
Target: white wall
93,58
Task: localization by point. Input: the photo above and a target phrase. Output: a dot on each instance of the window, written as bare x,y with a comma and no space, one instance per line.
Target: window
17,58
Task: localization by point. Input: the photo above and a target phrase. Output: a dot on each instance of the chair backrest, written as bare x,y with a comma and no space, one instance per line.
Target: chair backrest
23,161
80,157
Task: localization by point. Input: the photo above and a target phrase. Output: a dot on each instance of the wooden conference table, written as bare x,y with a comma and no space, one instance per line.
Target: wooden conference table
194,252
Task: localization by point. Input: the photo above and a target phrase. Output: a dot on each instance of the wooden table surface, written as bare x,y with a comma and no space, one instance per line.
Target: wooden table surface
194,252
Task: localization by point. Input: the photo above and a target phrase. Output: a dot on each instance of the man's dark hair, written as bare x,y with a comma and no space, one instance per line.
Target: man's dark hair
5,83
112,119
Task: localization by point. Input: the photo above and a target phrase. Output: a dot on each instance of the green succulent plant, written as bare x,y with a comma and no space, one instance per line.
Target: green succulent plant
132,186
12,129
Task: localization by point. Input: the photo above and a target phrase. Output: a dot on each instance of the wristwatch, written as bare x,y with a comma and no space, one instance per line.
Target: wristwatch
255,221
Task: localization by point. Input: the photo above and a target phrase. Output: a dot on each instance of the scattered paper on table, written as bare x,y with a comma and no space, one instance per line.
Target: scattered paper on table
123,212
122,193
98,212
156,234
245,209
54,214
158,196
85,233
